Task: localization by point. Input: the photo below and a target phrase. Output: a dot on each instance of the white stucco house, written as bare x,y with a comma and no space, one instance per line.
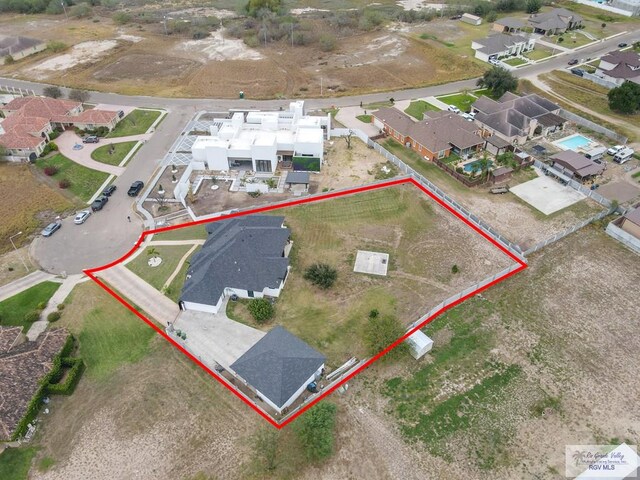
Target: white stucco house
258,141
500,45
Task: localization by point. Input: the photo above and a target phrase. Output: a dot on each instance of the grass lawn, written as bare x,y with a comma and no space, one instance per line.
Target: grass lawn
156,276
574,40
461,100
84,181
15,463
136,123
109,335
364,118
13,309
538,53
120,150
196,232
377,105
175,288
515,62
416,109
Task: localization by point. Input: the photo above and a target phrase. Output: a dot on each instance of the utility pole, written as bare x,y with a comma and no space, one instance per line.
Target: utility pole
292,34
164,20
14,247
321,86
64,9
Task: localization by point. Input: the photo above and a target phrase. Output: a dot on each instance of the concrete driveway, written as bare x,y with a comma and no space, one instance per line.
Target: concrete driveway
216,338
107,235
69,138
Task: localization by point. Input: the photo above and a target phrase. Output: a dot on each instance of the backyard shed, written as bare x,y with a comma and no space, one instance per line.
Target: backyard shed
501,174
471,19
419,344
297,178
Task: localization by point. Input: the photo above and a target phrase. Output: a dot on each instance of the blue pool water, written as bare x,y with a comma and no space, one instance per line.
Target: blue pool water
469,166
575,142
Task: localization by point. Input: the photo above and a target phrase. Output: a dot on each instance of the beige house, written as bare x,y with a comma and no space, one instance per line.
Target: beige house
19,47
630,223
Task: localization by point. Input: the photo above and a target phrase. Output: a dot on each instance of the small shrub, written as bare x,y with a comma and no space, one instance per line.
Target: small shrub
255,194
373,313
327,43
53,317
321,275
121,18
382,331
64,183
261,310
455,269
42,305
9,60
32,316
60,306
55,46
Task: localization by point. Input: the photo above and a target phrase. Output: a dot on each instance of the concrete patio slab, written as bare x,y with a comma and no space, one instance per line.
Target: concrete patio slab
547,195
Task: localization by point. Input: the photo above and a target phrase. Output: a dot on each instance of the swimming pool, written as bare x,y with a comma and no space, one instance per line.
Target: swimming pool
573,142
469,166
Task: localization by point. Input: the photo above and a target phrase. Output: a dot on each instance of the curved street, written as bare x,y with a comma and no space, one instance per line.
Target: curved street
107,234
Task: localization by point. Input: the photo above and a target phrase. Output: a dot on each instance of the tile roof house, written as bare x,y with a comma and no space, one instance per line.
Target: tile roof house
499,45
28,121
618,67
436,136
19,47
22,366
245,256
555,22
576,164
279,367
517,118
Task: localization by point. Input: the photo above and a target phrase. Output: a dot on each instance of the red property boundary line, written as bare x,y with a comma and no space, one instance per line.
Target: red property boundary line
92,271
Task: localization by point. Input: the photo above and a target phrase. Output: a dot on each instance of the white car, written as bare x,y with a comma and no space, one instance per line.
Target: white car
468,117
453,108
81,217
494,61
614,150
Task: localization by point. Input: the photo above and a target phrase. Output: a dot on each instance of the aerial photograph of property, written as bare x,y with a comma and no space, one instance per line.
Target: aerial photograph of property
296,239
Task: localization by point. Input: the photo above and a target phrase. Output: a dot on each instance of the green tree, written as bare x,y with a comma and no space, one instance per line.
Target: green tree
499,81
79,95
254,6
321,275
533,6
265,450
80,10
261,310
315,430
52,91
380,332
625,98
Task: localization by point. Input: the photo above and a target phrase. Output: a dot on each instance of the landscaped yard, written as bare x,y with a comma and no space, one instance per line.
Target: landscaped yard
112,154
515,61
136,123
399,221
157,276
15,463
83,181
461,100
538,53
416,109
14,309
364,118
196,232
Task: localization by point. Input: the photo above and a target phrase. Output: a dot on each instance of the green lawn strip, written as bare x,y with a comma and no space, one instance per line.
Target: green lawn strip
416,109
16,462
364,118
110,337
196,232
514,62
636,175
461,100
13,309
157,276
175,287
136,123
84,182
538,53
120,150
377,105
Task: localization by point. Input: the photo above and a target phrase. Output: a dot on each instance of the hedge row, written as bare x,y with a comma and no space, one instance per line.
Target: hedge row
34,405
76,366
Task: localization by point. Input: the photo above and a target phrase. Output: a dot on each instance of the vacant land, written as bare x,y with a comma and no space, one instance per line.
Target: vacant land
112,154
83,181
424,243
513,218
13,263
157,276
28,204
14,309
136,123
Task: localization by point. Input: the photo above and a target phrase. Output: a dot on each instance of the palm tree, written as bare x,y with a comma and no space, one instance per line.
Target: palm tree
483,165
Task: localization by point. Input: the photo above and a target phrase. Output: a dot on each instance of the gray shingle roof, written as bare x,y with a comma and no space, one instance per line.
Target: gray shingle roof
556,18
577,163
13,45
399,121
510,22
244,253
278,365
499,42
633,216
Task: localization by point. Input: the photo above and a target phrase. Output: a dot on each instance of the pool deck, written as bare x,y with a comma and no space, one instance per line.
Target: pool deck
582,148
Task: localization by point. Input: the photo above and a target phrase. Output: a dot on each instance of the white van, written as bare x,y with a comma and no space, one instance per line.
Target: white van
623,155
596,153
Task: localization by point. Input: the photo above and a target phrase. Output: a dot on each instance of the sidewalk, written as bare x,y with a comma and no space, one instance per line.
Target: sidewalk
347,117
24,283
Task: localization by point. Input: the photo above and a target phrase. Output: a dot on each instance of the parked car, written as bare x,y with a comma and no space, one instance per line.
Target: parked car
90,139
135,188
468,117
573,61
120,114
81,217
577,71
99,202
109,190
614,150
494,61
622,45
51,228
623,155
453,108
455,17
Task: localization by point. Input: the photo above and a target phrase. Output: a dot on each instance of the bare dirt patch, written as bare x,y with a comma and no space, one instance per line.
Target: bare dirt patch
79,54
218,48
143,67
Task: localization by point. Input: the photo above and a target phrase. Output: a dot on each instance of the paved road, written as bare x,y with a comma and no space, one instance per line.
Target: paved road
24,283
107,235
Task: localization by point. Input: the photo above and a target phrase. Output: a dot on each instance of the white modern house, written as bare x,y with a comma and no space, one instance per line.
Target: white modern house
258,141
501,45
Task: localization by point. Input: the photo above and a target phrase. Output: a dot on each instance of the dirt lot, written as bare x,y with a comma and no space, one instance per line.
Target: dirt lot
12,266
